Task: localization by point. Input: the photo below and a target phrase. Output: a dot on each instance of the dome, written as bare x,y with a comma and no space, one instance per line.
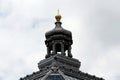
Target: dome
58,30
58,33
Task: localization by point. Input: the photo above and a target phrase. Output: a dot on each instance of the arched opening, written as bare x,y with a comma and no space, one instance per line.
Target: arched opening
58,48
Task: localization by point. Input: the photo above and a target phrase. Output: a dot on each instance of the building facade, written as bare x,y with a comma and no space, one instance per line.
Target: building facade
59,63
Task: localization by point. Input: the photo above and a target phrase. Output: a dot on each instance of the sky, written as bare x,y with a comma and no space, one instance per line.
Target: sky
95,26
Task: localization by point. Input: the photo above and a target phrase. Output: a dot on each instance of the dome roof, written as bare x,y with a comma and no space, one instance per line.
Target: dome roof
58,30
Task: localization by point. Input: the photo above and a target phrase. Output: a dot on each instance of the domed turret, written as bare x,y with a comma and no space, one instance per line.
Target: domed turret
58,40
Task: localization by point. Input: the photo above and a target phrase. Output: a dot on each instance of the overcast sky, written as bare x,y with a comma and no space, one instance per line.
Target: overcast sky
95,25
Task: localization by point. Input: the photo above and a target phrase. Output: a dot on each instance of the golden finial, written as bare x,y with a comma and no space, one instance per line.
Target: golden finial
58,16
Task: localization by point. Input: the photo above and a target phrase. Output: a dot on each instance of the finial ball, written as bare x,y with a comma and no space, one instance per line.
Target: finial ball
58,17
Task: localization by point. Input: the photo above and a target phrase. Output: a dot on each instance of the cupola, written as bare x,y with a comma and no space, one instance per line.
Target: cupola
58,40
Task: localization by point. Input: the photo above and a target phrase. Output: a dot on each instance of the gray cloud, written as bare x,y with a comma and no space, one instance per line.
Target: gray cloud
94,24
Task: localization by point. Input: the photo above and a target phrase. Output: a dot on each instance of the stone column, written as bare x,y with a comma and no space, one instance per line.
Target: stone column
69,51
48,50
54,49
62,49
48,53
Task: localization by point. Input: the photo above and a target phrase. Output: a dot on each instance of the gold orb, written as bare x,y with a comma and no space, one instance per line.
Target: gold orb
58,17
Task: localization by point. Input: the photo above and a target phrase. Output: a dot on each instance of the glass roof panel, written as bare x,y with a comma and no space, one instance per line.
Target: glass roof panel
55,77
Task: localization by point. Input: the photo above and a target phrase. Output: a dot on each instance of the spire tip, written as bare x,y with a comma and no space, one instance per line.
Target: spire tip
58,17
